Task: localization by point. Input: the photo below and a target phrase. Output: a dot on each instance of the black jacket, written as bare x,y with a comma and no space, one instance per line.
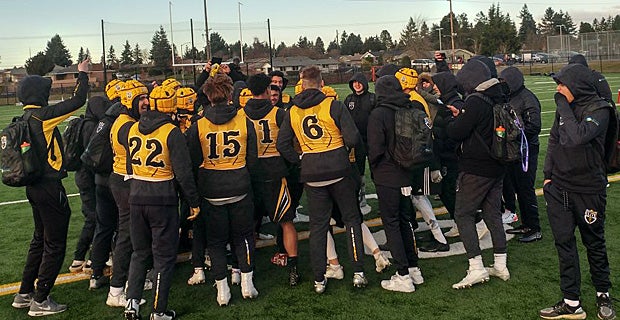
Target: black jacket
215,184
447,85
360,105
476,118
576,152
272,168
33,92
600,83
325,165
524,103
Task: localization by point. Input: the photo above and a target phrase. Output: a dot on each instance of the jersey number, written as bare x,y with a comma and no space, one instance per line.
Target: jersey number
311,128
266,132
232,145
152,145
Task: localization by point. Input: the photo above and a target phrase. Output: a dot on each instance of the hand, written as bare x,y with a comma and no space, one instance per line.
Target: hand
208,66
406,191
454,110
194,213
546,181
436,176
560,99
84,65
224,68
154,84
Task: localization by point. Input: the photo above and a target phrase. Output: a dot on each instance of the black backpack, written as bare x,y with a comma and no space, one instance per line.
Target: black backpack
509,142
98,154
612,142
18,157
73,143
413,137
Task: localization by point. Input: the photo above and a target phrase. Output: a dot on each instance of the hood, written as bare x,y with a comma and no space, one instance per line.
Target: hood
97,107
389,91
489,63
580,59
578,79
388,69
513,78
473,73
34,90
220,113
309,98
257,108
151,120
115,110
446,82
361,78
237,87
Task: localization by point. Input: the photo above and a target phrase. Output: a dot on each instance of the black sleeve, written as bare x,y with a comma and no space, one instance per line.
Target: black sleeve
195,149
377,140
285,141
345,123
61,111
123,137
252,149
551,144
531,115
572,132
441,65
181,166
280,114
465,123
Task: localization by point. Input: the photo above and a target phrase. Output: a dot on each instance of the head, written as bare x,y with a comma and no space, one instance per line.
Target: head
580,59
236,60
574,81
278,79
186,97
163,99
425,82
34,90
274,94
472,74
258,85
113,88
218,89
358,87
172,83
311,78
489,63
135,97
408,79
388,69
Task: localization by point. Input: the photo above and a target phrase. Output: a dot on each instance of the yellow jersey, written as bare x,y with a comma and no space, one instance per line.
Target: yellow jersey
266,134
120,153
224,146
315,129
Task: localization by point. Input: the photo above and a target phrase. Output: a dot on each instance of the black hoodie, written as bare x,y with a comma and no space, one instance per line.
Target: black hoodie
360,105
576,149
476,118
165,193
447,85
216,184
33,92
524,103
271,168
323,166
600,83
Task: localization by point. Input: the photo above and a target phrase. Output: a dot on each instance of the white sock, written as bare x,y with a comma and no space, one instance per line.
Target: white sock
476,263
197,269
331,248
572,303
115,291
598,294
426,210
360,273
368,239
500,261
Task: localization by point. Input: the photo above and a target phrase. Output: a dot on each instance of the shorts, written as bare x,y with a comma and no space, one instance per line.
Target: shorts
273,198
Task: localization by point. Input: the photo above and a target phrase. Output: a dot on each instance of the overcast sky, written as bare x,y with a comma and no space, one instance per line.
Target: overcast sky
27,25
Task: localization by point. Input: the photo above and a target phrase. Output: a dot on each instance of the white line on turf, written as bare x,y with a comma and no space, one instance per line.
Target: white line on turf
24,201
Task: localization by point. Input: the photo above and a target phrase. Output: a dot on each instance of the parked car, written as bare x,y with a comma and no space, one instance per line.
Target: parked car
422,65
543,57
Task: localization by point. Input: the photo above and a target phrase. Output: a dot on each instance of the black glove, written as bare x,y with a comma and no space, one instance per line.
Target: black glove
560,99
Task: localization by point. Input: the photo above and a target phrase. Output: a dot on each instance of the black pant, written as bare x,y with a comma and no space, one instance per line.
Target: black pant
85,181
232,222
154,235
321,200
51,214
522,183
122,247
567,210
474,192
397,215
199,238
107,222
448,185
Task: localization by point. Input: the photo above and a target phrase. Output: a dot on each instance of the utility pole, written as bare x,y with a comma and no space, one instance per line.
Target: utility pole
208,46
439,29
452,30
270,46
240,32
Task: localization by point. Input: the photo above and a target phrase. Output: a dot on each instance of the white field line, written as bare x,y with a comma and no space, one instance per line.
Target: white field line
24,201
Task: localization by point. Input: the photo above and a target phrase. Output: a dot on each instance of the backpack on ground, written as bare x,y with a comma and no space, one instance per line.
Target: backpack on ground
18,157
73,143
413,137
509,142
98,153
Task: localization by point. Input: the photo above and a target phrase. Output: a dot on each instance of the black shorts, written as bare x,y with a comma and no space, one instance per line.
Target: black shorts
274,199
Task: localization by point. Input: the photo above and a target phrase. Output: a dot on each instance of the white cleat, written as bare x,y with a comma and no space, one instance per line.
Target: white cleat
223,292
248,291
235,276
319,287
503,274
452,233
334,272
197,277
399,283
416,275
473,277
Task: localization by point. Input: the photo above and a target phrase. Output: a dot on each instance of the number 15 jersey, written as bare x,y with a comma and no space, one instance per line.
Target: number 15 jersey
224,146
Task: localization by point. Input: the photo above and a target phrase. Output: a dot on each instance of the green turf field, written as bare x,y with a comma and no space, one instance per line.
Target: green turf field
534,268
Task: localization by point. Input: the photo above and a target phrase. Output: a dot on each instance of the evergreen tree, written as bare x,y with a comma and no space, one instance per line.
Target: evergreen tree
81,55
136,55
546,25
319,46
498,32
112,60
528,25
409,35
352,44
57,52
373,44
280,47
585,27
386,39
219,47
303,43
161,50
87,53
39,64
127,54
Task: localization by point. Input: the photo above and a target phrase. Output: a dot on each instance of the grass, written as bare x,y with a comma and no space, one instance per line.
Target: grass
534,283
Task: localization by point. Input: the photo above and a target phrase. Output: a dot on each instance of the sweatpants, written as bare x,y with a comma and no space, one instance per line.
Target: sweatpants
232,222
568,210
397,216
523,185
107,221
321,201
154,236
199,238
51,214
85,181
122,248
450,172
474,192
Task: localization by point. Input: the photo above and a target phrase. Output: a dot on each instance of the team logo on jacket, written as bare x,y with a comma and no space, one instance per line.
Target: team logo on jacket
428,123
590,216
351,105
561,121
3,142
100,126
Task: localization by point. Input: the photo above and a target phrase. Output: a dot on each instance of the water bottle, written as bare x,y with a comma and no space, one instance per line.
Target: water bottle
499,144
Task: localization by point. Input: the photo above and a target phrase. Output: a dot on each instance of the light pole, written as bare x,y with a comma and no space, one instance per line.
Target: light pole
240,33
560,26
452,29
208,46
439,29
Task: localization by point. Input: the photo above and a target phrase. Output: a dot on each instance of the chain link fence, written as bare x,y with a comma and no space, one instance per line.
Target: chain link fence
603,45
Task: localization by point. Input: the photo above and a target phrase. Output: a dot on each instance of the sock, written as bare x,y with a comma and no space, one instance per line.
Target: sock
572,303
476,263
331,248
598,294
115,291
368,239
360,273
291,262
500,261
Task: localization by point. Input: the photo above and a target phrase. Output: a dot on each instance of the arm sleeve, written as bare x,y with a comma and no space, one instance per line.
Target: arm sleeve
181,165
553,141
280,117
252,149
464,123
285,141
345,123
574,133
531,115
54,115
377,141
195,149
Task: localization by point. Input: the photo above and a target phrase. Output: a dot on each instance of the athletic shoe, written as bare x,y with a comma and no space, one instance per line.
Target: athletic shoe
416,275
365,209
359,280
87,267
605,308
435,246
398,283
561,310
208,261
531,237
97,283
503,274
248,291
197,277
319,287
300,217
76,266
109,263
279,259
22,300
265,236
168,315
132,310
452,233
148,284
334,272
293,276
223,292
45,308
381,262
481,229
473,276
519,230
509,217
235,276
119,300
